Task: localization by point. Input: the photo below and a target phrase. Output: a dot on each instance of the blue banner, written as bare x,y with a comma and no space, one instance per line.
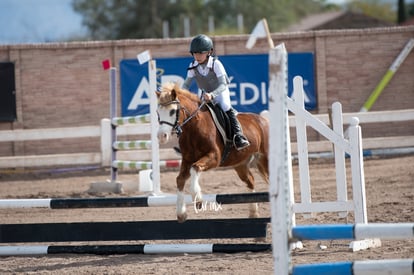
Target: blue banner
248,74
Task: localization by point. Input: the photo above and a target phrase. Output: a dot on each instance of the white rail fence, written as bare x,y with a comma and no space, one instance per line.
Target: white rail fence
103,157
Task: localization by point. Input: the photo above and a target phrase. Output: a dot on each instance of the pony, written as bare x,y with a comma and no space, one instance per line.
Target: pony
202,146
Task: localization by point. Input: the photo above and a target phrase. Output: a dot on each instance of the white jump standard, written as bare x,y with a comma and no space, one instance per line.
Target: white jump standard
284,231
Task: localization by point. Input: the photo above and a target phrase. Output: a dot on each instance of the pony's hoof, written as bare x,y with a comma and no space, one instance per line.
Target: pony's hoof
182,218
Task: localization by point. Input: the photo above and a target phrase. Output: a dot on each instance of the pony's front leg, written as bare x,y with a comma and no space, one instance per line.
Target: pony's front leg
195,188
181,207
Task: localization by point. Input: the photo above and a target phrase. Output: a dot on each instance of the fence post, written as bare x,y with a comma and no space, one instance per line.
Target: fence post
113,113
302,143
106,146
357,171
340,168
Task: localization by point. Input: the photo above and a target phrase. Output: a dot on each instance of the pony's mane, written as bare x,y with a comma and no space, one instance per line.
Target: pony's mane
167,95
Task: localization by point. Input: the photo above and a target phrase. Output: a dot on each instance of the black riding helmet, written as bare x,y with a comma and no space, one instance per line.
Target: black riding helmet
201,43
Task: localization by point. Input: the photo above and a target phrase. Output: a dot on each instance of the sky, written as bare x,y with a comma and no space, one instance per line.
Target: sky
37,21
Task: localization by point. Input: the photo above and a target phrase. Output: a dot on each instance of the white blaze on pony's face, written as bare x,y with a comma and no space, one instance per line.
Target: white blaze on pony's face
168,109
167,119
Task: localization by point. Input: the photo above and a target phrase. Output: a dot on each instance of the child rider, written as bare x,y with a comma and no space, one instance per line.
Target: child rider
211,77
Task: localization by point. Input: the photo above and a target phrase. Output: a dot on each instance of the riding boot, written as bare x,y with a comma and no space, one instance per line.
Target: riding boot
239,140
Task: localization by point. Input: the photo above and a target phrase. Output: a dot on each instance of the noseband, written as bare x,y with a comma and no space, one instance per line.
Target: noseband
176,126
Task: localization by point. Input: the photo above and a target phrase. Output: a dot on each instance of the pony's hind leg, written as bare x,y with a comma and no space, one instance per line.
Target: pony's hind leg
262,164
246,176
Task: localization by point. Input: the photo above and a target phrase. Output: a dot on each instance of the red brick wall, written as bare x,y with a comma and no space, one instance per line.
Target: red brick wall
63,84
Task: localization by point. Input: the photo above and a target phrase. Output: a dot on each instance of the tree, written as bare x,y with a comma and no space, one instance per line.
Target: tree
410,8
118,19
374,8
401,11
122,19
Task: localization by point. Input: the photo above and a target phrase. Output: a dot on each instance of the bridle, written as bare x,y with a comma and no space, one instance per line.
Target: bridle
177,127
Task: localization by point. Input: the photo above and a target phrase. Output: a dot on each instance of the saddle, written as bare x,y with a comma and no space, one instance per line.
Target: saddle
222,123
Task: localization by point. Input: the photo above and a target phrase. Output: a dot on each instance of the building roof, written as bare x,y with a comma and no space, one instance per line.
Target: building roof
409,21
338,20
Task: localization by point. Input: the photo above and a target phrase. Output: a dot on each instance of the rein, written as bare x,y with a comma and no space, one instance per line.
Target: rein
176,126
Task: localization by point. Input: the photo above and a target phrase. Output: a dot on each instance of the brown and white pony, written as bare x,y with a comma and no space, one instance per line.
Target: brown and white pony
201,144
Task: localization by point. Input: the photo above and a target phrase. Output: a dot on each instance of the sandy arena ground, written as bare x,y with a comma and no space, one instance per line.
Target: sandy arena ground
390,198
